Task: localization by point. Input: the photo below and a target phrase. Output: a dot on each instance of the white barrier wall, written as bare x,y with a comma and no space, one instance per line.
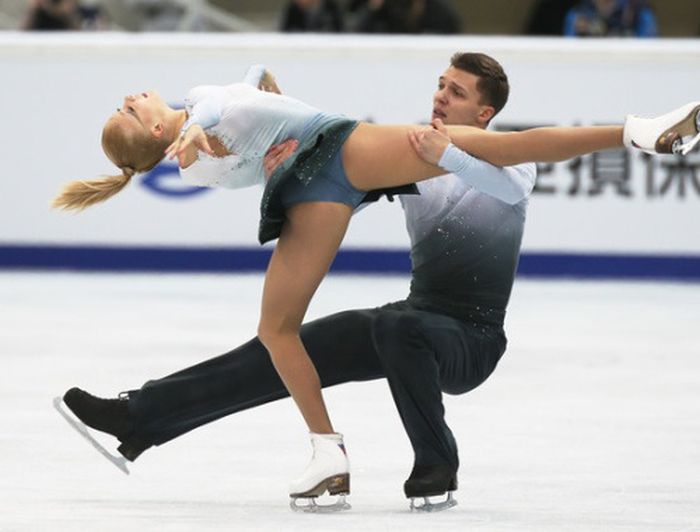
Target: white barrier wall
57,91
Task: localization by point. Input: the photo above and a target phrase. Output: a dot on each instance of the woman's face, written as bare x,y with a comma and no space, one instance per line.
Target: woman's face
139,113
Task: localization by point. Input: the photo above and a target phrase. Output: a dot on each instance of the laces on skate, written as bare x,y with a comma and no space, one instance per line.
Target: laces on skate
425,505
80,428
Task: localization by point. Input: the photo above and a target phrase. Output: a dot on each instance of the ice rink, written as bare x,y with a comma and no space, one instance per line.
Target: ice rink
590,423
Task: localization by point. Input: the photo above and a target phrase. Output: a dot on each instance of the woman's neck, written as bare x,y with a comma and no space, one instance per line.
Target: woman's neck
175,119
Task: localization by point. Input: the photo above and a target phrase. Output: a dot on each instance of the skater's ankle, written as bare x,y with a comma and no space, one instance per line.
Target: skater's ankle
132,447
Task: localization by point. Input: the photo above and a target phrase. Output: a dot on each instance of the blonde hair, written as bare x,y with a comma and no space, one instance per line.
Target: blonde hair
132,152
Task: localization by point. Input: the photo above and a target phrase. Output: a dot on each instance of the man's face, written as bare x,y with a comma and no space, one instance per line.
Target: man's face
457,100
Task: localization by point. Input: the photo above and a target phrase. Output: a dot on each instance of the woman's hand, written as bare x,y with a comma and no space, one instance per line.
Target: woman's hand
430,142
268,83
276,155
195,137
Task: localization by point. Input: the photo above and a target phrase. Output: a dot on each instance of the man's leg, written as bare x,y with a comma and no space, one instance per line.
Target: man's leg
339,345
423,354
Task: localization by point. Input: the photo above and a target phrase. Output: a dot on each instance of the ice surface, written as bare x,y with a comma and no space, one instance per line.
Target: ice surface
591,422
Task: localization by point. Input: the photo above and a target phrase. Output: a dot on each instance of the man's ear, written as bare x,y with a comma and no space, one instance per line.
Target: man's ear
157,130
486,114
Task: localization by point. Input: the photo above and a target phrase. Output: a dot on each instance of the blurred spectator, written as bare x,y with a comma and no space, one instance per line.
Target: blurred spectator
312,15
611,18
406,16
53,15
547,17
64,15
155,15
92,15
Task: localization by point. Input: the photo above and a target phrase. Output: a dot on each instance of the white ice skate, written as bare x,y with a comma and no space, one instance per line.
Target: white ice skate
677,132
80,428
328,471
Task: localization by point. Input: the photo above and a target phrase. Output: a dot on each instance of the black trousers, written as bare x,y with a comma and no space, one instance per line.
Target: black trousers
421,354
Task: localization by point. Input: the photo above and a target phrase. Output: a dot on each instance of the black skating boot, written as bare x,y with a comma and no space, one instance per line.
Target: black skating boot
431,481
106,415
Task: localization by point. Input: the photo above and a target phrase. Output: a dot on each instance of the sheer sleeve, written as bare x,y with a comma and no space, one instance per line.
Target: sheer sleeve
205,106
510,184
254,75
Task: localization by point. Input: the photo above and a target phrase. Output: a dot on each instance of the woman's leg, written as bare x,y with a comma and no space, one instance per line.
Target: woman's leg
544,144
304,252
381,156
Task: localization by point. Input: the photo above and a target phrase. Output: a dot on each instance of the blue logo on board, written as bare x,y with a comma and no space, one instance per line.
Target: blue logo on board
164,180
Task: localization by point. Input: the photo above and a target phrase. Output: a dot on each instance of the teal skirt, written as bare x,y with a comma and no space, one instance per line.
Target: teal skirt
314,173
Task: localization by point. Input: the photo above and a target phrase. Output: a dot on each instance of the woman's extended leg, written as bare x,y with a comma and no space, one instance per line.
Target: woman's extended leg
381,156
543,144
304,252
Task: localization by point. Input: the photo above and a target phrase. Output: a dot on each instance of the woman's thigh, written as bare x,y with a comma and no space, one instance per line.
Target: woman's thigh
309,241
382,157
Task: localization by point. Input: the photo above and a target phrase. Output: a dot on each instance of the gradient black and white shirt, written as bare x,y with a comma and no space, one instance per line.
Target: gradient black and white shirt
465,235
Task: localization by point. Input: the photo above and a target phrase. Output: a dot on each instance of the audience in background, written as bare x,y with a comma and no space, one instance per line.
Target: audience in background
69,15
53,15
579,18
611,18
405,16
161,15
547,17
312,15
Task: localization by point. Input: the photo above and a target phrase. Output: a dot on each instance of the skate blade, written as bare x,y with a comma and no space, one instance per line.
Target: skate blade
688,146
312,507
118,461
427,506
671,140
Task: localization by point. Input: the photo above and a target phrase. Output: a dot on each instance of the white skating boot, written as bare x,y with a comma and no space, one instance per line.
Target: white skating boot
676,132
327,471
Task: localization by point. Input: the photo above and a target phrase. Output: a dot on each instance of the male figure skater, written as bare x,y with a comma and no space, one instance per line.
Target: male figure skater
446,336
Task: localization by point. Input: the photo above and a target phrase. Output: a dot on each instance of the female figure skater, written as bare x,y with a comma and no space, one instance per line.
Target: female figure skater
220,139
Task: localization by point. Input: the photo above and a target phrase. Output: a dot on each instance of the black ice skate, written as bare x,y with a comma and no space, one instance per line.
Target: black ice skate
105,415
431,481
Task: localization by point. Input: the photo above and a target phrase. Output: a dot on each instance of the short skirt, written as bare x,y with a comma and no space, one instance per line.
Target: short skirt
329,184
315,173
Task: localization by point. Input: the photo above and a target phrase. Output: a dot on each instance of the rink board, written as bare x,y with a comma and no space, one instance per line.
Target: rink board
616,214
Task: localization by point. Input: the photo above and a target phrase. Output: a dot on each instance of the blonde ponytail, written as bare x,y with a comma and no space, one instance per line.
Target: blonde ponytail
78,195
131,152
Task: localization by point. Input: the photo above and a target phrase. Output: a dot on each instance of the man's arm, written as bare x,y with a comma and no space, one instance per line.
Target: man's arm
510,184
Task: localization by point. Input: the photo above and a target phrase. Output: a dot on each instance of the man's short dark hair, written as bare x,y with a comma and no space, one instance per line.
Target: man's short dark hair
493,82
